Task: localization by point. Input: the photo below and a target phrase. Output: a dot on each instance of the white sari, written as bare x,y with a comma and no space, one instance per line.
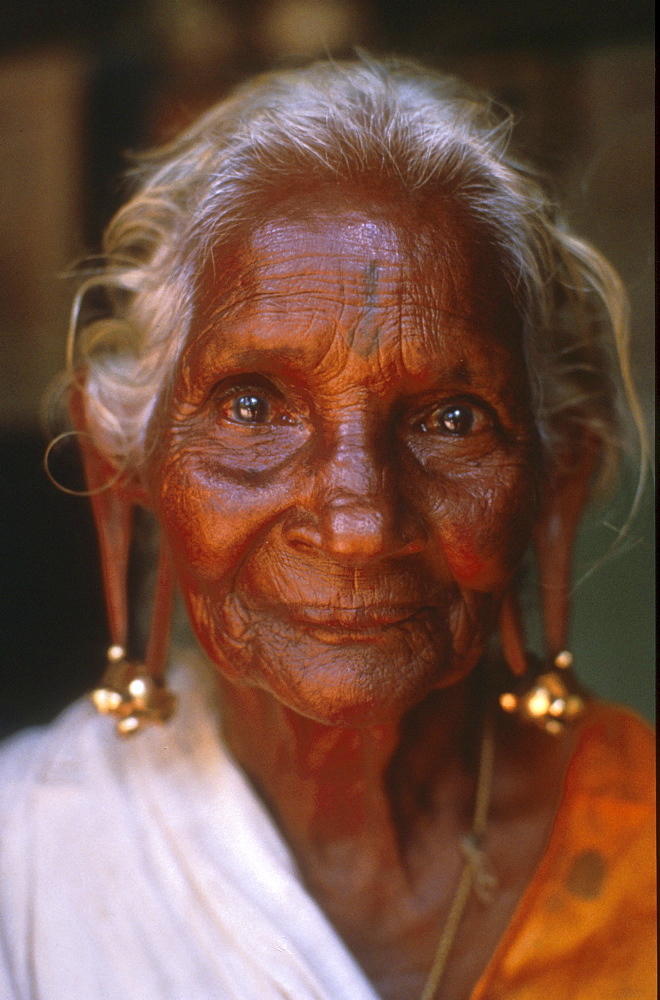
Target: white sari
147,869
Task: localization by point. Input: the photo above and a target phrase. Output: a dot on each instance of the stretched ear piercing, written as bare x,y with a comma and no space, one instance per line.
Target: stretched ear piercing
133,692
551,700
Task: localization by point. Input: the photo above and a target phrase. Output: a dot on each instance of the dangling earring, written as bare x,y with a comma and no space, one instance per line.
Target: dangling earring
134,692
551,700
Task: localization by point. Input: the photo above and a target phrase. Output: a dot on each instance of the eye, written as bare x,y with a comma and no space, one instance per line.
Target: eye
254,406
253,425
456,419
250,409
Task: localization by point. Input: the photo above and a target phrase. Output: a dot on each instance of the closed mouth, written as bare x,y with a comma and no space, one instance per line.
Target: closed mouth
358,623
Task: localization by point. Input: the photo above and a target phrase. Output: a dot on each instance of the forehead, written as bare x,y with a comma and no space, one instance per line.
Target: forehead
326,276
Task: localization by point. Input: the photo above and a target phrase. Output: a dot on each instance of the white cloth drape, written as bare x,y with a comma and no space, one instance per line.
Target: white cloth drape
147,869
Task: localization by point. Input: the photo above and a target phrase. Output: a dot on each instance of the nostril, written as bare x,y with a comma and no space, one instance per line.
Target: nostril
343,528
356,528
303,535
304,541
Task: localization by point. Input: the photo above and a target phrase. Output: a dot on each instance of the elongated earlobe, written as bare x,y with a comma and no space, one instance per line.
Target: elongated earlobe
550,698
555,534
133,692
512,633
113,514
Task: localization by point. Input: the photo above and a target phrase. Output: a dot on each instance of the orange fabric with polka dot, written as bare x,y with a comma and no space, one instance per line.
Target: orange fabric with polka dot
585,929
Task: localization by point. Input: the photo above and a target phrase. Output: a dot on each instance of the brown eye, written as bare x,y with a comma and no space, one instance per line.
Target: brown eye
250,409
457,419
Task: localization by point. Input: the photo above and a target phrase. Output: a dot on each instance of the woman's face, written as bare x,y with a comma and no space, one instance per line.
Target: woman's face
345,465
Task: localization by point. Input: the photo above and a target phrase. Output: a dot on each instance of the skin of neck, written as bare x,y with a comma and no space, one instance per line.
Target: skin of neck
331,786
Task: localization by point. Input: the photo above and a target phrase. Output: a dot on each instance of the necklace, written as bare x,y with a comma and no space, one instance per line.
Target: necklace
476,874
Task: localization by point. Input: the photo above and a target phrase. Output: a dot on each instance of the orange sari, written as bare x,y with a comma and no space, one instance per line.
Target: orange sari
585,928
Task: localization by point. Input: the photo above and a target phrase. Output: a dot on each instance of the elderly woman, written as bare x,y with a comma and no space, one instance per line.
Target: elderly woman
350,359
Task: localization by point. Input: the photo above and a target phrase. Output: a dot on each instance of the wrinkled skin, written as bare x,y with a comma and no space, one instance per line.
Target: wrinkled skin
341,546
345,472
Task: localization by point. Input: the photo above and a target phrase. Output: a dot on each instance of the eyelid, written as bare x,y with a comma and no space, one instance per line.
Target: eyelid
478,405
245,384
284,409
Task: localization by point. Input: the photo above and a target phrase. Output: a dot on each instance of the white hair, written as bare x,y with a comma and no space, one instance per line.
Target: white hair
339,122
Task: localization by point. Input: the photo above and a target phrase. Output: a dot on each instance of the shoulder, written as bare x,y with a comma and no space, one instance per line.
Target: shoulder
614,755
50,775
41,754
78,806
80,745
43,771
587,920
608,803
603,843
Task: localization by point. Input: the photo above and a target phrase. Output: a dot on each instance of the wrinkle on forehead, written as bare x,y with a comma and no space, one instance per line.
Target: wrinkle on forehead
364,339
338,282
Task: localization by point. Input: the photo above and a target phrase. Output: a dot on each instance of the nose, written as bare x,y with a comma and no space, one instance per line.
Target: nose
358,512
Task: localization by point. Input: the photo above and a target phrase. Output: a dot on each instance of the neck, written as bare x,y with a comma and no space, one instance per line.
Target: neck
329,786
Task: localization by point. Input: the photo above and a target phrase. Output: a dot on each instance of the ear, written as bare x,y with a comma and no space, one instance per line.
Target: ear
512,632
101,471
113,497
566,492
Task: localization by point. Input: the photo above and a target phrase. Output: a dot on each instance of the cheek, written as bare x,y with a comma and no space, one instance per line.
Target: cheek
462,552
212,525
190,518
485,543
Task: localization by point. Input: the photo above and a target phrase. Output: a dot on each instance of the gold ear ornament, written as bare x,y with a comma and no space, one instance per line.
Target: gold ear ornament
551,700
133,692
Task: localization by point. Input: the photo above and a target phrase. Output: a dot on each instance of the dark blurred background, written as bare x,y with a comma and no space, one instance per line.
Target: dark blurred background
82,82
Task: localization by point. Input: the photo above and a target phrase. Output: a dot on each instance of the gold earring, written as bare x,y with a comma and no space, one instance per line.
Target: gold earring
551,701
135,693
130,693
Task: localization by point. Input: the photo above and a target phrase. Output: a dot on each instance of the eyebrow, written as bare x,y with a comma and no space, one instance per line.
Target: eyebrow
215,357
461,372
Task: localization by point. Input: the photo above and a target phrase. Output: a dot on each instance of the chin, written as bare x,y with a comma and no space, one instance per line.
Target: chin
352,710
348,682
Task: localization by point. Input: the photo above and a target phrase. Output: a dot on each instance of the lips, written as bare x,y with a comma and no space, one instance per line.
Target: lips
366,624
352,618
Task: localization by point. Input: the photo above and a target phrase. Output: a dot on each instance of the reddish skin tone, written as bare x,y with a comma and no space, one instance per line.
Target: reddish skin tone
344,469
